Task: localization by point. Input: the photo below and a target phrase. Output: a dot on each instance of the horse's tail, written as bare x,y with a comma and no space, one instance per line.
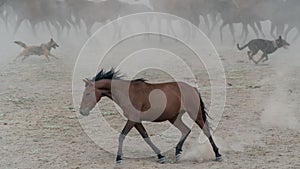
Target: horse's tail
241,48
21,44
203,109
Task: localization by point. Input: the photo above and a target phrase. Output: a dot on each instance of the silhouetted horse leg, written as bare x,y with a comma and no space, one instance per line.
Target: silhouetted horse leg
204,126
159,26
289,28
297,35
280,29
221,30
33,28
185,131
252,25
214,21
246,32
129,125
140,128
258,24
243,32
206,21
231,27
18,24
170,28
273,27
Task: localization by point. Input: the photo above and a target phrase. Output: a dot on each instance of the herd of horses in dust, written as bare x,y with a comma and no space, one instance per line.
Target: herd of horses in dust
181,97
67,14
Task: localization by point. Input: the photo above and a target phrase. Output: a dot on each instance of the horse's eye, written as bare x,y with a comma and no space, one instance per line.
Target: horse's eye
88,94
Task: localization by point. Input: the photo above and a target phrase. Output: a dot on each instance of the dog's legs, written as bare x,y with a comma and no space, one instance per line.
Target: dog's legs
262,57
25,57
251,53
50,54
46,54
20,55
266,58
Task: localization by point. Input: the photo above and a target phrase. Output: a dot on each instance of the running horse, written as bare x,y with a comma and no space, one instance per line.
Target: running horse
142,101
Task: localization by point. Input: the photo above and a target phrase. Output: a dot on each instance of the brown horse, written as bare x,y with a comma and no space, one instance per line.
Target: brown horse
141,101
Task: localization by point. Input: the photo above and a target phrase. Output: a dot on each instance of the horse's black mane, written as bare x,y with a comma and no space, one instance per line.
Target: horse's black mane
112,74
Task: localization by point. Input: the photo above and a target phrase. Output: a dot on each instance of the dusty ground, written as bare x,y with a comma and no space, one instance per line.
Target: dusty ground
259,127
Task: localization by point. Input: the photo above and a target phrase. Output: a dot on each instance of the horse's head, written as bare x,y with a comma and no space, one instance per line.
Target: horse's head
97,88
90,98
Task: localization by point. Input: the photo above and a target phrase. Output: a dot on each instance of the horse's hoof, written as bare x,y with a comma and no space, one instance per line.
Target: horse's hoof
178,156
118,162
161,160
219,159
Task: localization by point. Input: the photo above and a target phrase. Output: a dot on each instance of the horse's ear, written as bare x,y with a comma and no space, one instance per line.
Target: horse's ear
87,82
280,37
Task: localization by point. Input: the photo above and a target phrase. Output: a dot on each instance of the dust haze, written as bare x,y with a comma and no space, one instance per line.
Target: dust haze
260,125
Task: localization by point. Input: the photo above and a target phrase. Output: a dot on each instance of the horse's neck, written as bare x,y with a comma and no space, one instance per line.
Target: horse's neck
117,90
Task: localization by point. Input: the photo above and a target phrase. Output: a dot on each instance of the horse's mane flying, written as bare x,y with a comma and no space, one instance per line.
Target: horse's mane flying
112,74
140,80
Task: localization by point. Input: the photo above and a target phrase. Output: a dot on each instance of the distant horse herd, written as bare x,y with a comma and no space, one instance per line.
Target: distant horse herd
180,97
66,14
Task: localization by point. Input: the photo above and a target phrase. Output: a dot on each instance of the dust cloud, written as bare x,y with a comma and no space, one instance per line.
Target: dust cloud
282,107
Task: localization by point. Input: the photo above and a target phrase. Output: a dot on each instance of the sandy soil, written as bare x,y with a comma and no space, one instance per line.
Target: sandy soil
259,127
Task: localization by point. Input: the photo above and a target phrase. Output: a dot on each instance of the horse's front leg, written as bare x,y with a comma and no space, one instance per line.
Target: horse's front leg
129,125
140,128
185,131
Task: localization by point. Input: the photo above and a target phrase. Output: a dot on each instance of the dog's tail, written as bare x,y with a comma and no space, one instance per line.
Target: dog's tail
21,44
241,48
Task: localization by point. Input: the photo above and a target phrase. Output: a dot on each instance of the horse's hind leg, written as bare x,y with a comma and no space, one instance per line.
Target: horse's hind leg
185,131
140,128
204,126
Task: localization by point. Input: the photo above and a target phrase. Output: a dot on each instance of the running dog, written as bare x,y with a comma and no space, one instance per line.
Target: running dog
43,49
266,46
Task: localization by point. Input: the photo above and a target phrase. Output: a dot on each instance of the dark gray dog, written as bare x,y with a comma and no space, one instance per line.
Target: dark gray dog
266,46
